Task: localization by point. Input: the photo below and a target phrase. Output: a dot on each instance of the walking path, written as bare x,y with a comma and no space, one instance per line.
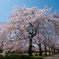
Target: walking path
52,57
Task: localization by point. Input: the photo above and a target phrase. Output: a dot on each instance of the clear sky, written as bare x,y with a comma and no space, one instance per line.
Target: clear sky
6,6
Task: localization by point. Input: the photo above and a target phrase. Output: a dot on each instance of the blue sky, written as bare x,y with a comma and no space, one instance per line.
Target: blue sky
6,6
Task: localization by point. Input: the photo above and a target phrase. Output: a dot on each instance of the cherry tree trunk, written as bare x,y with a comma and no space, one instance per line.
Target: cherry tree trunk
45,50
40,51
49,50
30,47
54,51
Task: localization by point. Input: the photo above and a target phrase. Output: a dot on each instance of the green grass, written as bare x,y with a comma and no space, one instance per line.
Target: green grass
43,55
22,56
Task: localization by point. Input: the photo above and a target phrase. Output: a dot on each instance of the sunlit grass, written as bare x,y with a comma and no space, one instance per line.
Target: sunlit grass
24,55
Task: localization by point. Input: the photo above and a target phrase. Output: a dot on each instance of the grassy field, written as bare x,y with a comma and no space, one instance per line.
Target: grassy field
23,56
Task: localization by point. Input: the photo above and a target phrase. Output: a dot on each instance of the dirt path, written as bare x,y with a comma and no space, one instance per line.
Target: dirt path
52,57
